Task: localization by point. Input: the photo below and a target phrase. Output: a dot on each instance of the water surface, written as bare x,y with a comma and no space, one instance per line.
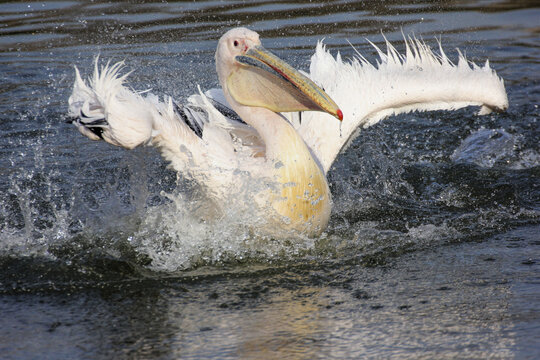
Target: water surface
433,246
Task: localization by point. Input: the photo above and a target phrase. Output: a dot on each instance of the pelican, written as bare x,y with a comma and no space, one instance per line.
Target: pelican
273,123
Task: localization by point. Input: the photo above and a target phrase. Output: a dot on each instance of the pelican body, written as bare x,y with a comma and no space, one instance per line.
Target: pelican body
273,123
258,86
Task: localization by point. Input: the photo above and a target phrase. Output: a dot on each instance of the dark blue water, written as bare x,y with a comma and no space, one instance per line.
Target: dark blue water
433,246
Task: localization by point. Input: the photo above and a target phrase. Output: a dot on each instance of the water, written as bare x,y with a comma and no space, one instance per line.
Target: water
433,245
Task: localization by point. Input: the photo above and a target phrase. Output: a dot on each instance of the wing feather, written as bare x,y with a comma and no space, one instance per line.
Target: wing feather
199,140
420,80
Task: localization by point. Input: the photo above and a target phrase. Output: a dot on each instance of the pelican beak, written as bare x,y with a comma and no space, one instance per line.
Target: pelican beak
264,80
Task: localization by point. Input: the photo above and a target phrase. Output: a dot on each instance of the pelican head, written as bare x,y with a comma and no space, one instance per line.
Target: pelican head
235,42
253,76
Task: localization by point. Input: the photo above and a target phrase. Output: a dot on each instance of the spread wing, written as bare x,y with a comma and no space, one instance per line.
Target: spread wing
202,139
420,80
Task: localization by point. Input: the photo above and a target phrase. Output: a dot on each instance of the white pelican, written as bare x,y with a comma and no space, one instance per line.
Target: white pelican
283,128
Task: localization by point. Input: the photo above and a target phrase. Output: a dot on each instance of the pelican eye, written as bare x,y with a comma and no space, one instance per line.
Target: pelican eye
235,43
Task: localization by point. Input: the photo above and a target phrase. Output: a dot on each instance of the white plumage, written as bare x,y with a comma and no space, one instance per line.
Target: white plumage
207,142
420,80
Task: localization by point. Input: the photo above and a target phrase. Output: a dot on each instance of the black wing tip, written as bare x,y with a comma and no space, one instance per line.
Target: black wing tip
97,126
193,125
225,111
98,131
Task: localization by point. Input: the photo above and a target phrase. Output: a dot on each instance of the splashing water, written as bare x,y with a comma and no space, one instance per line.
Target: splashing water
180,231
431,251
486,147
